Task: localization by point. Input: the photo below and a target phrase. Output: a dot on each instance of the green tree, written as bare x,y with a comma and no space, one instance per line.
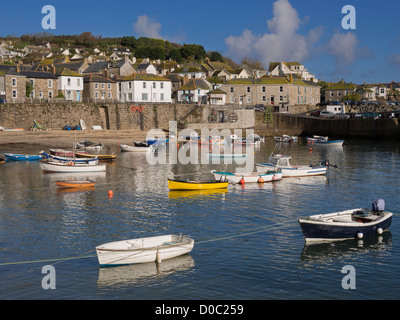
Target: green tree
175,55
216,56
193,50
29,88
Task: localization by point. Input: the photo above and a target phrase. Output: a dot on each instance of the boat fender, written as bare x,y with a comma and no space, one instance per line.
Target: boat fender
359,235
70,163
260,180
379,231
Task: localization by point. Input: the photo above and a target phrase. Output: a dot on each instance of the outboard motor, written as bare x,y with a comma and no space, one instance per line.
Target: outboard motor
378,205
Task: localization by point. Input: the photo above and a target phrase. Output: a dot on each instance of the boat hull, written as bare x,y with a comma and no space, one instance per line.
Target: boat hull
126,148
253,177
143,250
196,185
301,171
63,167
318,231
75,184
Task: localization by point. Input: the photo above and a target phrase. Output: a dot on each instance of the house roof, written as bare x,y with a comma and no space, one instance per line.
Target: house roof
38,74
96,78
142,77
96,67
216,91
341,86
69,73
262,80
195,84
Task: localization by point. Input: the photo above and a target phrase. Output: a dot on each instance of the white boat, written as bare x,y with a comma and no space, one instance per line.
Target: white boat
286,138
319,140
86,144
348,224
143,250
252,177
127,148
226,155
282,162
58,166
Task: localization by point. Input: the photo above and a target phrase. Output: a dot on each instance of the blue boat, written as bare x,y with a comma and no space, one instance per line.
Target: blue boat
23,157
348,224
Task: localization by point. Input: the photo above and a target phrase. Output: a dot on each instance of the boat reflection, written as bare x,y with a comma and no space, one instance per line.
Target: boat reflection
314,252
176,194
143,272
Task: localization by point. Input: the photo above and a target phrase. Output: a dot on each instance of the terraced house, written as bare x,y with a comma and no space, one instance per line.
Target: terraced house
97,88
44,84
142,87
272,91
12,84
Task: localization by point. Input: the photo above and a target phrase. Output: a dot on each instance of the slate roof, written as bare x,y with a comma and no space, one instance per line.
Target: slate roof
96,78
142,77
38,74
194,84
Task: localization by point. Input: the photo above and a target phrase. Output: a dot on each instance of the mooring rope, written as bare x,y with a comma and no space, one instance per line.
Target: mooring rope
246,232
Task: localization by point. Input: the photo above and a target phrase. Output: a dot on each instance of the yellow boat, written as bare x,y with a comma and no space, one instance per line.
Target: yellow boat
102,157
196,185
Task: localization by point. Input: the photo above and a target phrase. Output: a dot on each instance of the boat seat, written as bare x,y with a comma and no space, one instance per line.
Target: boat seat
340,220
168,243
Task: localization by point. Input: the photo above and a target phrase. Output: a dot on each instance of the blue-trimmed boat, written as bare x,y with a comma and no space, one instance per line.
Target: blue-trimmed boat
348,224
23,157
319,140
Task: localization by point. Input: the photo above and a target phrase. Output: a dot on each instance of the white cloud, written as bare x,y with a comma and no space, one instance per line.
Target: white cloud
281,43
145,27
342,47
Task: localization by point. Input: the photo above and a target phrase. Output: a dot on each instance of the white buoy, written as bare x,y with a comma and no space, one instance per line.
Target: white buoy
379,230
359,235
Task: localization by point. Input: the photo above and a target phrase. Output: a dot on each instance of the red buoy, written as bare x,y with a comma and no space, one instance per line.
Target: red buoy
241,181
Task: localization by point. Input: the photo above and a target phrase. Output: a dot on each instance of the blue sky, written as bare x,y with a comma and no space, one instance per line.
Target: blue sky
308,31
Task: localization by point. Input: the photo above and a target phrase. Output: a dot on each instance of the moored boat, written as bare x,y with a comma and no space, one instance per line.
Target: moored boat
22,157
57,166
286,138
347,224
320,140
128,148
75,183
282,162
86,144
65,153
252,177
196,185
101,157
143,250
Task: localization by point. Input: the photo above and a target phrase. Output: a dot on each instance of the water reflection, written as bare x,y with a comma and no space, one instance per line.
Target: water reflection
143,273
176,194
316,252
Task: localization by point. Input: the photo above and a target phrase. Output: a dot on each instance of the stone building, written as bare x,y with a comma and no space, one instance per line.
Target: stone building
273,91
97,88
12,84
45,84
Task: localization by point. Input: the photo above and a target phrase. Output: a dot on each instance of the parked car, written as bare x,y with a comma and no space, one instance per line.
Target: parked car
315,113
369,115
259,107
3,99
326,114
358,115
341,116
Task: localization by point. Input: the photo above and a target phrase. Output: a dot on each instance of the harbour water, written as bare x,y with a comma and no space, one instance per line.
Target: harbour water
248,241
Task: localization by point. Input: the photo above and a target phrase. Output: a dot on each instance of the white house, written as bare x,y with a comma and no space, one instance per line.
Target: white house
283,68
190,73
194,91
142,87
70,84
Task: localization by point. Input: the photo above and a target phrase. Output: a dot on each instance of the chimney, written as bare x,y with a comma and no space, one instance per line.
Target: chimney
291,78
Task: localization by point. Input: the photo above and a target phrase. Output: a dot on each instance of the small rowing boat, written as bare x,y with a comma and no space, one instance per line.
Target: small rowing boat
23,157
143,250
75,184
347,224
196,185
101,157
252,177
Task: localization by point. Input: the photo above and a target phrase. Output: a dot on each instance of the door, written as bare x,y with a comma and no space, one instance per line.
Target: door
78,95
221,116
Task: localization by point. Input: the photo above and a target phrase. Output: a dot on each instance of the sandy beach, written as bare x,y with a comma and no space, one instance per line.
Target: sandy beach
66,138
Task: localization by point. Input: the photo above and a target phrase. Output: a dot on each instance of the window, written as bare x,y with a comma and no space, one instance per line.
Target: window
68,82
40,94
154,85
248,98
144,95
109,95
50,84
280,98
162,85
280,89
248,89
232,99
50,94
96,94
130,85
162,96
96,85
231,89
78,81
14,93
109,86
102,86
263,89
198,91
264,98
14,82
144,85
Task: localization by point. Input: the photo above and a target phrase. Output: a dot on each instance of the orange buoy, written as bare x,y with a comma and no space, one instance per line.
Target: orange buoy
310,149
241,181
260,180
110,193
